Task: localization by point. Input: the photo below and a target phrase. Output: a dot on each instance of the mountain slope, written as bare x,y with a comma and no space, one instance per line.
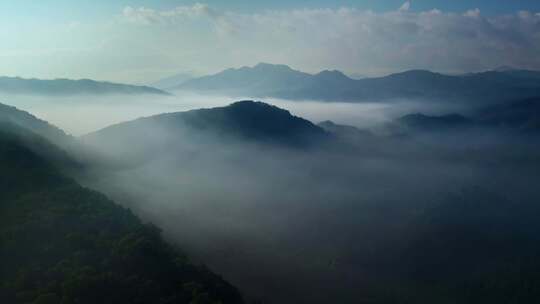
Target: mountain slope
59,87
519,117
39,135
172,81
280,81
9,114
62,243
244,122
263,79
344,131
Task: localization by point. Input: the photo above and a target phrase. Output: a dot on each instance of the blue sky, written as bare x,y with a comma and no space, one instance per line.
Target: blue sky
101,8
489,6
140,41
54,11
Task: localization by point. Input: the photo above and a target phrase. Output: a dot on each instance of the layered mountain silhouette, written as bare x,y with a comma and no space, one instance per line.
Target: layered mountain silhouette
69,244
280,81
421,121
23,119
241,122
172,81
521,116
344,131
56,87
63,243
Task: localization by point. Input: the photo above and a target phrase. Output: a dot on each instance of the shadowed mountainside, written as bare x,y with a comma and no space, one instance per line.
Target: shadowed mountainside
63,87
243,121
280,81
62,243
520,117
9,114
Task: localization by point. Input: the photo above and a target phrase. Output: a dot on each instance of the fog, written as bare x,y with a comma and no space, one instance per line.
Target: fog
340,222
280,224
78,115
343,221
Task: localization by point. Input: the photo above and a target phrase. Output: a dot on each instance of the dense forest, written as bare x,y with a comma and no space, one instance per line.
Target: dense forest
62,243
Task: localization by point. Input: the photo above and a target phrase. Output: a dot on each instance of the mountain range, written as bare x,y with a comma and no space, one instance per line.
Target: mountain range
521,116
63,87
91,250
280,81
172,81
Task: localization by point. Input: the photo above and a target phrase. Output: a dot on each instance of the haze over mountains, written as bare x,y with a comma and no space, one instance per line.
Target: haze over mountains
251,186
270,152
280,81
431,204
172,81
520,116
67,87
241,121
234,174
12,115
68,244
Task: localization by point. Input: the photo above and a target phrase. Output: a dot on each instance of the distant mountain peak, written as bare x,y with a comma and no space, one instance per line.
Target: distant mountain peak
246,104
266,66
65,87
173,81
253,103
417,72
334,74
280,81
263,67
327,123
243,121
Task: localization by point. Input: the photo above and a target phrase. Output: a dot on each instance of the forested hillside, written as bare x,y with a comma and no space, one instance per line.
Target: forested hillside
62,243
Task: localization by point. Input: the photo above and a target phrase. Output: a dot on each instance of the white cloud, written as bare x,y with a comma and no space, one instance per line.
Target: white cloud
406,6
474,13
203,38
150,16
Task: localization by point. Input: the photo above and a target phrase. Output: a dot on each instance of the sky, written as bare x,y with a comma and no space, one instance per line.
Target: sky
142,41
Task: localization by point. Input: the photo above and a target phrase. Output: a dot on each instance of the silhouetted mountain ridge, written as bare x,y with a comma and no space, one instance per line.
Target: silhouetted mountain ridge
247,120
172,81
59,87
521,116
244,122
280,81
28,121
63,243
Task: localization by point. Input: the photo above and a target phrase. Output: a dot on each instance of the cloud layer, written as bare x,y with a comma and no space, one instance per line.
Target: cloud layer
143,44
355,40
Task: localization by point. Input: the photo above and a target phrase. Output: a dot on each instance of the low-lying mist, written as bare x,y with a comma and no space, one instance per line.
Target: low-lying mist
417,217
345,222
82,114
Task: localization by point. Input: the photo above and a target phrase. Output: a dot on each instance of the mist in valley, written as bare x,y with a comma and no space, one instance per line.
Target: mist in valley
270,152
346,217
82,114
